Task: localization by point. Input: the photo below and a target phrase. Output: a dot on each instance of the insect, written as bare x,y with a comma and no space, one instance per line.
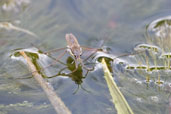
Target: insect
74,48
76,51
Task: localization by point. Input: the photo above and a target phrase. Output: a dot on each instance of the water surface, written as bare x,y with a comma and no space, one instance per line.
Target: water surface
121,24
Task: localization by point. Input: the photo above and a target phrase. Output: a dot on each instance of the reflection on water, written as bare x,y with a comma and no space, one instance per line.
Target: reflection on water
9,26
144,78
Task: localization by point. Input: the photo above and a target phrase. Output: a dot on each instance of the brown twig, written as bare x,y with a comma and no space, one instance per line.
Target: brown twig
56,102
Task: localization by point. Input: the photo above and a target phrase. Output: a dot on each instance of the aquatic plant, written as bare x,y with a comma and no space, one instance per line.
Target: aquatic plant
156,58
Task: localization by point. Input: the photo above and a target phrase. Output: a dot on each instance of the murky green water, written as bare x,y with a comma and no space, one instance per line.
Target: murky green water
144,79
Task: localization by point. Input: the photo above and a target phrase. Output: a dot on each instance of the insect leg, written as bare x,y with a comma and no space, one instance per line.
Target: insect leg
88,69
90,55
59,73
57,59
127,54
54,50
88,48
76,90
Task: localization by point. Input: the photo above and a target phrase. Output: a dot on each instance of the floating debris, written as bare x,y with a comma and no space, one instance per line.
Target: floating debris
154,98
14,5
9,26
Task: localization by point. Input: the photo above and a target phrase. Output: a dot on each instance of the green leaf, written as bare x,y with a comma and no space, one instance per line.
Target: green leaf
118,99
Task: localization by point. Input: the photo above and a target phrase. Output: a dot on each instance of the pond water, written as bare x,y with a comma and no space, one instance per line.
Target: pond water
123,26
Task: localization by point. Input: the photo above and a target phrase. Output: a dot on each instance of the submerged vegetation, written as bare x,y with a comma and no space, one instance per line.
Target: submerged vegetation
9,26
157,57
